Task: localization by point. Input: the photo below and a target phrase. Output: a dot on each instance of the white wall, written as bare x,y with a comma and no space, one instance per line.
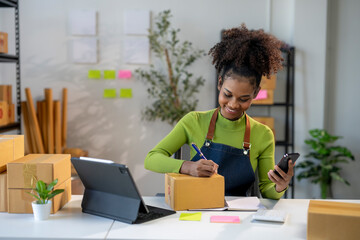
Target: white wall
342,107
112,128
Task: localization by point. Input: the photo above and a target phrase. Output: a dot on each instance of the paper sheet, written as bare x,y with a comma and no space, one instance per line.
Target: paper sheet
82,22
262,94
124,74
136,50
136,22
84,50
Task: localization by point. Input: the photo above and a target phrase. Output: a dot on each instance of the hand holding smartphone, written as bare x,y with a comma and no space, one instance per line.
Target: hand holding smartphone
284,162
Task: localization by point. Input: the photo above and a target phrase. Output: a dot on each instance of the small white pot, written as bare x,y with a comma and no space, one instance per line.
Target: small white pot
41,211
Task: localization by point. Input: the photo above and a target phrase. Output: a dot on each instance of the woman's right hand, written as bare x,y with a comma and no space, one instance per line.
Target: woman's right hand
200,168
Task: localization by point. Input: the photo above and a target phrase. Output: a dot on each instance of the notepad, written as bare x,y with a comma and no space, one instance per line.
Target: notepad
238,204
225,219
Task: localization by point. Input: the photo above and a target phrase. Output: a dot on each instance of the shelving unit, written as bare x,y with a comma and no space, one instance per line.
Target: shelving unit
285,143
9,58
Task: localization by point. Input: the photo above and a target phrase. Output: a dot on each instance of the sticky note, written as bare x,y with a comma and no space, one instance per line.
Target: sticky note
109,93
109,74
262,94
124,74
126,93
94,74
190,216
225,219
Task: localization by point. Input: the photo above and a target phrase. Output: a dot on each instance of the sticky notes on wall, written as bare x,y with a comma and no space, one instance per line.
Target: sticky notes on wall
94,74
125,93
109,93
263,94
124,74
109,74
190,216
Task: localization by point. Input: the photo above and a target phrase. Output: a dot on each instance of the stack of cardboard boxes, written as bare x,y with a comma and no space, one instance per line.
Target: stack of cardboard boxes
7,107
268,86
18,174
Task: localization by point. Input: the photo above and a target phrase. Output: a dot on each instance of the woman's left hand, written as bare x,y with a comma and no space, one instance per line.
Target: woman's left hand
282,182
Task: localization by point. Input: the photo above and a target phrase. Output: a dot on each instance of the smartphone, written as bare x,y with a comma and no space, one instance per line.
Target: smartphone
284,162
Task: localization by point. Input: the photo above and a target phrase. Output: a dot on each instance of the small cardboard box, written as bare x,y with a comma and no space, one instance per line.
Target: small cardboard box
3,42
45,167
11,113
183,192
269,100
268,83
19,201
23,172
3,192
268,121
333,220
4,113
11,148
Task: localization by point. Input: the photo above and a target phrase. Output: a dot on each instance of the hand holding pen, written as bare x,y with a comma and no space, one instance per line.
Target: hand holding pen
205,163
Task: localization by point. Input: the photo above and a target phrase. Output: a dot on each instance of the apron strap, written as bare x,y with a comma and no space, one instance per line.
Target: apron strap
211,131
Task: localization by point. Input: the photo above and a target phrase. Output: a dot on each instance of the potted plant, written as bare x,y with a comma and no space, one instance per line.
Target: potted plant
170,84
43,194
322,167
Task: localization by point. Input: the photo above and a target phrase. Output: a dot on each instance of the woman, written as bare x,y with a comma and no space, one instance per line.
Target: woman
235,144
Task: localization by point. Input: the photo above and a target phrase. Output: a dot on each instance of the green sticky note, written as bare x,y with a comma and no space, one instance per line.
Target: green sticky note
109,93
190,216
109,74
126,93
94,74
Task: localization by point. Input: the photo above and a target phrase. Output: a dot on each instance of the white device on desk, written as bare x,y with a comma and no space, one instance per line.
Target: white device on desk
270,215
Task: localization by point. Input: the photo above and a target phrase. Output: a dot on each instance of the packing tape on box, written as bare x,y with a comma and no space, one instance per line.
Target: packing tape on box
29,174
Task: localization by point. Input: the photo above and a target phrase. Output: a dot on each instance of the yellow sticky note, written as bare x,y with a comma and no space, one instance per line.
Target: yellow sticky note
109,74
190,216
109,93
94,74
126,93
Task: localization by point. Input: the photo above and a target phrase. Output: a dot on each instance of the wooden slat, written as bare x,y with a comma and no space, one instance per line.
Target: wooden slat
64,118
57,127
49,119
34,124
28,142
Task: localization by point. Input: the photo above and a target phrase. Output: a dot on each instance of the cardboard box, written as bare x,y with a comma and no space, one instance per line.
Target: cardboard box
23,172
184,192
268,121
3,192
11,148
19,201
45,167
11,113
333,220
4,113
3,42
269,100
268,83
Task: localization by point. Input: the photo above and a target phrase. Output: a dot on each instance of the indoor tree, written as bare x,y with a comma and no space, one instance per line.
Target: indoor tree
322,167
171,87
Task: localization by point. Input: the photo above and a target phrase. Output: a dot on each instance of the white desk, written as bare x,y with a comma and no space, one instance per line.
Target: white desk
71,223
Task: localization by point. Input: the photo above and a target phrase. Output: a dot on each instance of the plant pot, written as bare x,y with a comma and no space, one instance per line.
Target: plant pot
41,211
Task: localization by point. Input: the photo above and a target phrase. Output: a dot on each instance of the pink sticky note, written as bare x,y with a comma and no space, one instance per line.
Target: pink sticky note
124,74
225,219
262,94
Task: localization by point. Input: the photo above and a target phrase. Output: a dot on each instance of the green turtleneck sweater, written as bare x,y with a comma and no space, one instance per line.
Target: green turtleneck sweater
193,127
